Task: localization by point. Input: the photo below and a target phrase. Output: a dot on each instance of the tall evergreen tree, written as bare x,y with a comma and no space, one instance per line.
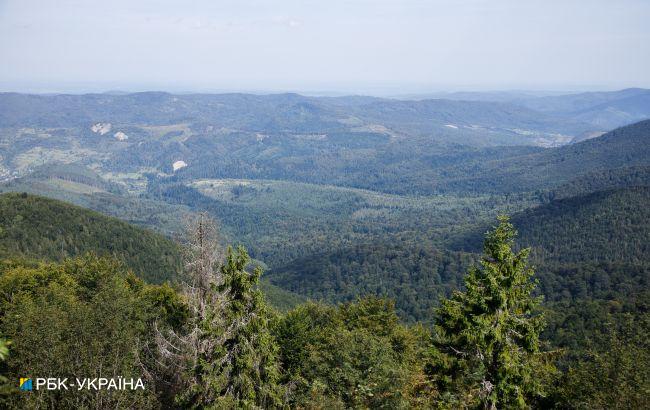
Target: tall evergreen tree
487,337
186,355
228,357
246,372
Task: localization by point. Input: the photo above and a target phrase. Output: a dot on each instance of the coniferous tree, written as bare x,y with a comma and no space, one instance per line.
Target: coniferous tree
184,355
228,356
487,337
246,371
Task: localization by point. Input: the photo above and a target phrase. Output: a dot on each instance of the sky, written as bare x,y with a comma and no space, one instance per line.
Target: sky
328,46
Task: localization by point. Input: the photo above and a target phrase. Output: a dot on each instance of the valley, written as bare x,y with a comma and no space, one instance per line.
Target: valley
340,199
297,179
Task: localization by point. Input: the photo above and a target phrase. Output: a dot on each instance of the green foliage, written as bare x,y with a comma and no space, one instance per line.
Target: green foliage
603,180
416,277
250,351
281,221
587,247
40,228
278,298
613,372
604,226
356,355
487,337
336,242
623,147
241,370
401,147
5,388
87,317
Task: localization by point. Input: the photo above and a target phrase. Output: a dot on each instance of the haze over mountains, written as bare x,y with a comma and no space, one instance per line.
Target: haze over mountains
289,136
339,198
344,196
325,205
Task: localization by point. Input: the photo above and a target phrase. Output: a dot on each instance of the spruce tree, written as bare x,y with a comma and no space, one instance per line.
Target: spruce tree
237,366
246,373
487,337
227,357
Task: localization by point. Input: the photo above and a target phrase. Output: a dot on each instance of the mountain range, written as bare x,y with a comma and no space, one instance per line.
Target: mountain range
339,197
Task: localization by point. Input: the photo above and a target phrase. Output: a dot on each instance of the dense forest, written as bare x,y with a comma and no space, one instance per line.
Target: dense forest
213,341
33,227
365,269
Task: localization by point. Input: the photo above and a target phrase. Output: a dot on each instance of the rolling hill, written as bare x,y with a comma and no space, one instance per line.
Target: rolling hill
593,246
605,110
268,113
624,147
342,196
34,227
401,147
37,228
603,226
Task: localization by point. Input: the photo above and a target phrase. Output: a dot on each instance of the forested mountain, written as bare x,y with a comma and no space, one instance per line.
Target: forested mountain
589,240
336,243
624,147
38,228
34,229
604,109
415,277
266,113
338,199
402,147
124,137
601,226
354,354
603,180
589,246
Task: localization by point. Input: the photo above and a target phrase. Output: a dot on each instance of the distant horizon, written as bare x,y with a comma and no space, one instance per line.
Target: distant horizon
379,92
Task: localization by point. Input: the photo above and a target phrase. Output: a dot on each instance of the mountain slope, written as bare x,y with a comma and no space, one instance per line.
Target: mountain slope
624,147
588,246
606,110
604,226
607,226
415,277
603,180
39,228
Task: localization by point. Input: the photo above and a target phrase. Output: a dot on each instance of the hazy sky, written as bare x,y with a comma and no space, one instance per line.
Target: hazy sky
330,45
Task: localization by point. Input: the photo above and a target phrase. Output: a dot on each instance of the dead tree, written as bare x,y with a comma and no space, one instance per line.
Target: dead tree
179,352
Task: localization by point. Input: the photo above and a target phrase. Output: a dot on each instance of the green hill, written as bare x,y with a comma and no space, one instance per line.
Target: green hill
34,227
591,246
603,226
38,228
416,277
603,180
624,147
607,226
